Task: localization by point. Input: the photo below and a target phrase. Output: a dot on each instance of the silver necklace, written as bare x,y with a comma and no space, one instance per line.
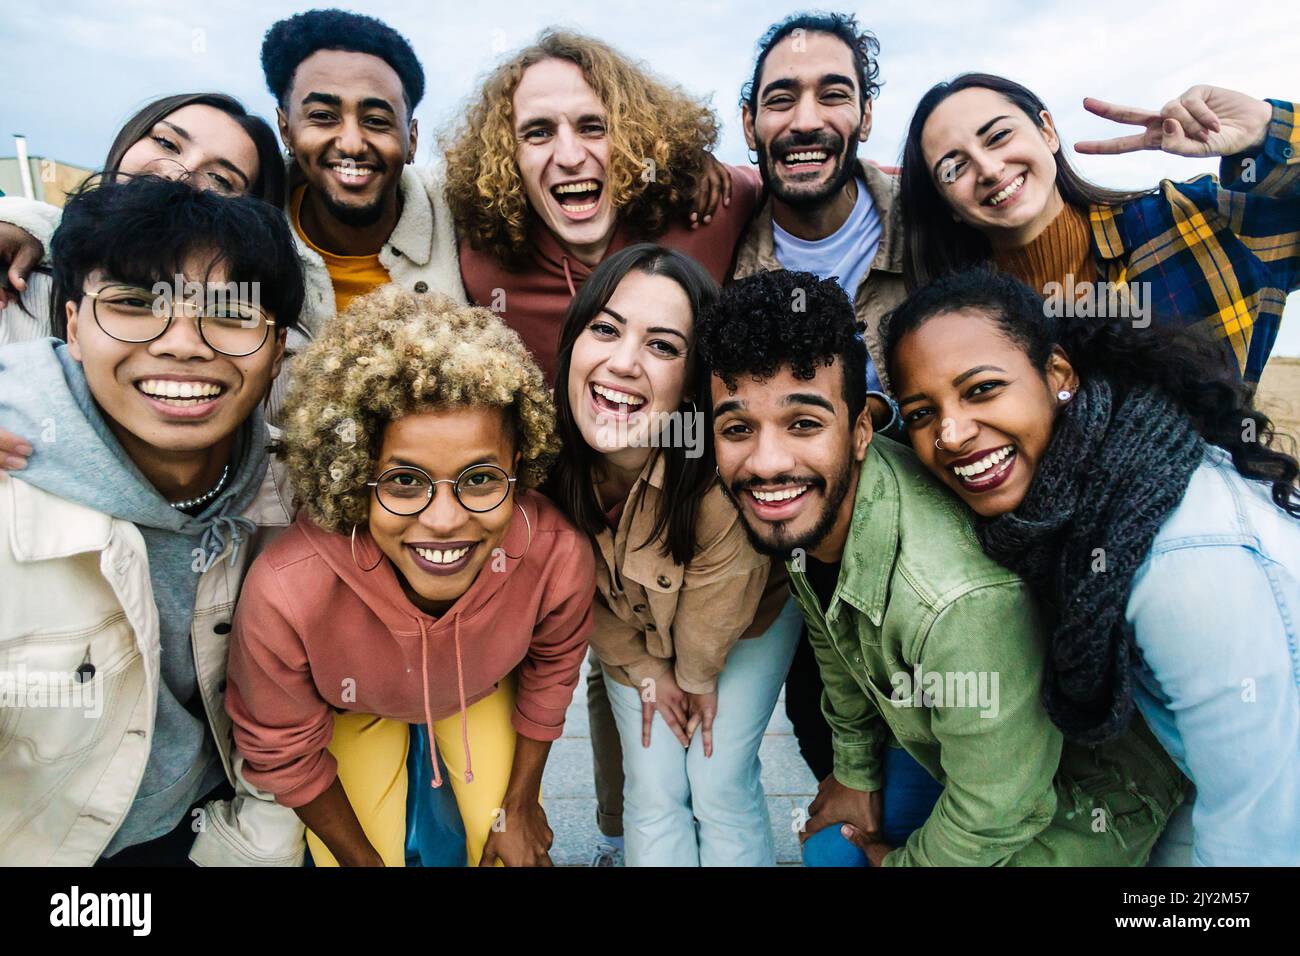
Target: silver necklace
207,496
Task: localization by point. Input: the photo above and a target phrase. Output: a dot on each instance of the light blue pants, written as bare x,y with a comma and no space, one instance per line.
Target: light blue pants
681,808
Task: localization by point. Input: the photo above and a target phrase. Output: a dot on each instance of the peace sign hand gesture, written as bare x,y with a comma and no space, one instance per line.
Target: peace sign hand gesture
1204,121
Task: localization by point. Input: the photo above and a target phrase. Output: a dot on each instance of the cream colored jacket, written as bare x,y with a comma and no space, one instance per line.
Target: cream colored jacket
76,601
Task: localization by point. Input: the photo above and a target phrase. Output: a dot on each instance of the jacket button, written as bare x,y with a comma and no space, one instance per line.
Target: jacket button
221,628
638,608
663,581
422,287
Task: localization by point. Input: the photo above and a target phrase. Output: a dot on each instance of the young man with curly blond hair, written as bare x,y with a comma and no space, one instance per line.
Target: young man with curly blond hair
394,600
572,151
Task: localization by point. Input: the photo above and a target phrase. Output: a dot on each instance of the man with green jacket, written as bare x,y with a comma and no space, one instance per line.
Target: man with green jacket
923,642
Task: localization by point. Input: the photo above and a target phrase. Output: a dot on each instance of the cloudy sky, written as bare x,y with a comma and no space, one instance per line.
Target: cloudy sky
75,69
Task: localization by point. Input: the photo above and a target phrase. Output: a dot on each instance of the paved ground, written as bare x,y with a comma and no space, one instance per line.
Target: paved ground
571,801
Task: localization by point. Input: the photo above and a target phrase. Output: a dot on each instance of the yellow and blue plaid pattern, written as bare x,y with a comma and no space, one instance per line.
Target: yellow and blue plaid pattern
1219,255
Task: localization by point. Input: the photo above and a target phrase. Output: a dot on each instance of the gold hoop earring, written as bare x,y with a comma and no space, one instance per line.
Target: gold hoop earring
518,557
354,553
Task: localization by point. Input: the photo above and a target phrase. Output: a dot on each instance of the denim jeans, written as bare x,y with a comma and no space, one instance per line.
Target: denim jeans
910,795
670,790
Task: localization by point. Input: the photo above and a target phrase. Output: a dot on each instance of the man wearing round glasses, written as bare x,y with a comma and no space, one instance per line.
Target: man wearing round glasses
124,541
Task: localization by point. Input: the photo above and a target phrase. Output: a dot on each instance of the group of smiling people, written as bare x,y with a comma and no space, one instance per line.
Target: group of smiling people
324,473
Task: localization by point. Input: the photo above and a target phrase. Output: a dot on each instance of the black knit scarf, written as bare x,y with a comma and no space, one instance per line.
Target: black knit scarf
1117,464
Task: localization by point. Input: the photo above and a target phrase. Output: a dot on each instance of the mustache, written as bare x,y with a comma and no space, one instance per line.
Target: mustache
829,141
737,488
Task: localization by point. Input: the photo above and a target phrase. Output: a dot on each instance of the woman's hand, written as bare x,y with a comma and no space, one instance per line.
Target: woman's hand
714,184
20,253
330,816
701,709
670,700
1204,121
523,839
14,451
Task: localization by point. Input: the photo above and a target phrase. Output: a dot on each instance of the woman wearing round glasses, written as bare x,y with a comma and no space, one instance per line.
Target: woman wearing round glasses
424,582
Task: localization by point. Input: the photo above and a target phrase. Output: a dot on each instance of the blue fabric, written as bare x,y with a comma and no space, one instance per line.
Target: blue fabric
1215,612
845,255
435,835
910,795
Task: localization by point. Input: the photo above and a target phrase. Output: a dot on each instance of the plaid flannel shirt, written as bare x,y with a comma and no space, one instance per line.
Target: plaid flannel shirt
1216,254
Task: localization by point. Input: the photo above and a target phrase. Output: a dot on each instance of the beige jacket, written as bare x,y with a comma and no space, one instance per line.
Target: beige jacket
77,597
653,614
880,290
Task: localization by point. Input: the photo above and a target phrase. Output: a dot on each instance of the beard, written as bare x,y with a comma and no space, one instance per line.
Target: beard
846,168
780,543
357,217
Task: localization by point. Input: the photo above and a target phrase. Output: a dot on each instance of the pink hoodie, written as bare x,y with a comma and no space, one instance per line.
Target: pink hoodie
313,632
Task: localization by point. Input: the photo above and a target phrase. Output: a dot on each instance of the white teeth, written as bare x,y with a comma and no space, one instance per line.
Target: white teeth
590,186
168,389
351,172
814,156
441,557
1010,191
622,398
784,494
983,465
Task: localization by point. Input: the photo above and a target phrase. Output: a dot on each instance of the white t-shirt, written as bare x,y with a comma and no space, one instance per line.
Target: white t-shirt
844,255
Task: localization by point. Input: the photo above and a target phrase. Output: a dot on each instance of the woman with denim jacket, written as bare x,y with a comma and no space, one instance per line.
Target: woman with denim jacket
1122,473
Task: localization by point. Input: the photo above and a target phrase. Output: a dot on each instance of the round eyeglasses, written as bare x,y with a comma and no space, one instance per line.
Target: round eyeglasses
230,326
407,490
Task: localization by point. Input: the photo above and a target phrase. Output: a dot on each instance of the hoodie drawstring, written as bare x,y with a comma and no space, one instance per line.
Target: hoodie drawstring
568,276
214,540
428,709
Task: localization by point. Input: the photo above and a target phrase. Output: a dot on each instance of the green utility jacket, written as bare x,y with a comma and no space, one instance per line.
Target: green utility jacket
931,642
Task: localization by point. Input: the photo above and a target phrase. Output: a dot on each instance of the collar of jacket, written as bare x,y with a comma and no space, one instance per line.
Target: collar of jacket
38,535
871,548
758,248
412,237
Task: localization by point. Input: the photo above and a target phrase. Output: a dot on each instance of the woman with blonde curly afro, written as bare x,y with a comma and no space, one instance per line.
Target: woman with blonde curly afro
569,152
424,582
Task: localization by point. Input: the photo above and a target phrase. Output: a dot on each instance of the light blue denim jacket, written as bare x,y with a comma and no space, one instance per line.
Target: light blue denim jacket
1214,610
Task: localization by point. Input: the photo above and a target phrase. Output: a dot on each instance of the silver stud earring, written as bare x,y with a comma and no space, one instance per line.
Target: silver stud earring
1063,395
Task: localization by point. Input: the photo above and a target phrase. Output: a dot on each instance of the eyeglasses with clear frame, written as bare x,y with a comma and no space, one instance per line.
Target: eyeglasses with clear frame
406,490
135,315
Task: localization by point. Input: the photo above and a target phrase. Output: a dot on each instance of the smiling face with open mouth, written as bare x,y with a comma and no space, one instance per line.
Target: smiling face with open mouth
993,165
964,382
174,394
809,120
563,155
629,366
439,552
789,459
349,128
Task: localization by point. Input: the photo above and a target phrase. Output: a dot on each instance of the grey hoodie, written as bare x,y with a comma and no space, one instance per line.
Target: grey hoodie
44,398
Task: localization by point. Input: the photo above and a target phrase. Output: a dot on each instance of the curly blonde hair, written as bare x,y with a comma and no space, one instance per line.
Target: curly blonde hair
390,354
647,120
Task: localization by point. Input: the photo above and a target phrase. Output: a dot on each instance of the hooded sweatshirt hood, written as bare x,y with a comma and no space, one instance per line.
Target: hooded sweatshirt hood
45,398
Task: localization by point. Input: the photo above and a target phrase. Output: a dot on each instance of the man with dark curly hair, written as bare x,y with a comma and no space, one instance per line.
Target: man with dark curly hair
896,592
347,87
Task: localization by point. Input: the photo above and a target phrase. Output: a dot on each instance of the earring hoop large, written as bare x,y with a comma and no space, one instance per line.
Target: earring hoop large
517,557
354,553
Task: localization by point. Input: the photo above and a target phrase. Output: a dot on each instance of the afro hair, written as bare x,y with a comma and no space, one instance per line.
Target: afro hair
784,319
293,39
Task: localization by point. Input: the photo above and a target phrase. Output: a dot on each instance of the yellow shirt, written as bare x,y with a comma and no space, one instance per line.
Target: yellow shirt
351,275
